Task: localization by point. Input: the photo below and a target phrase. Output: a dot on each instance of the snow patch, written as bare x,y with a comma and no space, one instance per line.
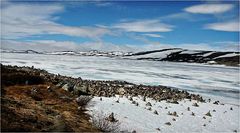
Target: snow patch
141,119
227,55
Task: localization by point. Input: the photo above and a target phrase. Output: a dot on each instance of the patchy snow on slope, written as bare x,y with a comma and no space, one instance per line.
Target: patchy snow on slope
227,55
211,62
159,55
224,118
190,52
207,54
61,52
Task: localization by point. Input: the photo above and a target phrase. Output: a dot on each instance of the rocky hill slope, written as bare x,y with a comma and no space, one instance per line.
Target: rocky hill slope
191,56
172,54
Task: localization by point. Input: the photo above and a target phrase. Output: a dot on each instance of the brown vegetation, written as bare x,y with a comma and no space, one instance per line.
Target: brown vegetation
38,105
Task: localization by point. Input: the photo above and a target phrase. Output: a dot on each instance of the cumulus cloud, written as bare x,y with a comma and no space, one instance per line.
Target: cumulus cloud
52,45
144,26
209,8
24,20
40,45
231,26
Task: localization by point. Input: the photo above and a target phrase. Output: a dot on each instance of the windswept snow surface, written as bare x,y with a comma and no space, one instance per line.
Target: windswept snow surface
228,55
207,54
207,80
140,119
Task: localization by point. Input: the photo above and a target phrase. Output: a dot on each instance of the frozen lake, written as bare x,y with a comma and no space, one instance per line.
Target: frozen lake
198,78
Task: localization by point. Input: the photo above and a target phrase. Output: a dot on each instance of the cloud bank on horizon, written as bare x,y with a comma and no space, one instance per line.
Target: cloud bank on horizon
120,26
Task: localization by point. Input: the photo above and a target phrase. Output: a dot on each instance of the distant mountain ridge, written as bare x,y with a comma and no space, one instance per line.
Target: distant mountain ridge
171,54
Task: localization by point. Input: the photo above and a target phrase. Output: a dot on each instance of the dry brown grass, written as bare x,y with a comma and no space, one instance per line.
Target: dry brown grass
52,111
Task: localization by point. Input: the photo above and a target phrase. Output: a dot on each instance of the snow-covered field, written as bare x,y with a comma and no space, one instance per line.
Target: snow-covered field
215,82
197,78
141,119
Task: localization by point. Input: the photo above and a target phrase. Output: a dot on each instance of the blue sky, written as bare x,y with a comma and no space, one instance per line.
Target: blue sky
124,26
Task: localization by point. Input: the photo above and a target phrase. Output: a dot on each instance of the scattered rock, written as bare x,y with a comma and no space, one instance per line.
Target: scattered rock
155,112
204,117
195,104
168,123
204,125
137,104
208,114
158,129
121,91
169,113
175,114
100,99
209,100
67,87
214,110
148,104
173,119
134,102
144,99
231,108
188,108
216,102
131,99
193,114
174,101
134,131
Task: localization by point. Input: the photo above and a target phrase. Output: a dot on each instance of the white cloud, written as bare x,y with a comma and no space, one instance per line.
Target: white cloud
24,20
209,8
231,26
153,35
144,26
52,45
103,4
39,45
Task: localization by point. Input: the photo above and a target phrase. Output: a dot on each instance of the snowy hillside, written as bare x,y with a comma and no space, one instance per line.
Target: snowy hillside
173,54
192,56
